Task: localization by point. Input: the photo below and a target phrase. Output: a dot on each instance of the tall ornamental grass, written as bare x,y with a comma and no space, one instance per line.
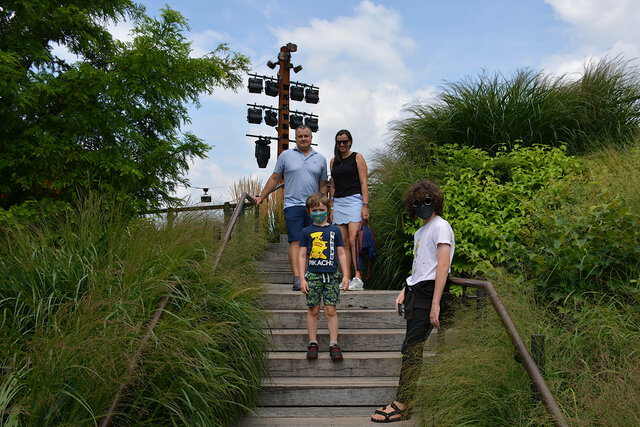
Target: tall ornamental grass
591,364
75,298
271,209
490,111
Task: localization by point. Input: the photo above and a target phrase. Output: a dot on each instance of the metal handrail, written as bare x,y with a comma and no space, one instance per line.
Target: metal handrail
527,360
157,315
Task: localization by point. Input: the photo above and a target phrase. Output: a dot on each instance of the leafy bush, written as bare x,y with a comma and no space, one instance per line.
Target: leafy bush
75,298
588,240
486,202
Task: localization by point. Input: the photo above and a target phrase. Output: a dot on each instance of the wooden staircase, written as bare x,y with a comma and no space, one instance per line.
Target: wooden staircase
323,392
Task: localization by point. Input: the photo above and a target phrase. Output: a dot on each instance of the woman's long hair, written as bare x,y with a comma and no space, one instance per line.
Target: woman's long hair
336,152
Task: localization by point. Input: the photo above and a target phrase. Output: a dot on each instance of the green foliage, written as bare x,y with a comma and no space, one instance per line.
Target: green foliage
109,122
76,296
588,239
486,202
490,111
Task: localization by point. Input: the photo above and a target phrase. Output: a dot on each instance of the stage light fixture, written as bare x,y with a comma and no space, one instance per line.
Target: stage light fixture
312,122
254,115
271,64
205,198
312,96
292,47
255,85
271,118
296,93
284,56
295,121
271,88
263,152
297,68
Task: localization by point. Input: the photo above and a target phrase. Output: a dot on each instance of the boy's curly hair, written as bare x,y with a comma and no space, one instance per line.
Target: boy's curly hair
318,199
419,191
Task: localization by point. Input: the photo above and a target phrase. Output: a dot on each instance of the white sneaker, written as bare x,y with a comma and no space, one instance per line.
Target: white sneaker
356,284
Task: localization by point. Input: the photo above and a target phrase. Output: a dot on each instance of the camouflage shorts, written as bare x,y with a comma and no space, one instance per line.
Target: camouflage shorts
318,291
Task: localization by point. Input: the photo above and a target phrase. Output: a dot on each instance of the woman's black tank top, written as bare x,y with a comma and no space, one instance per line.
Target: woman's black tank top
344,175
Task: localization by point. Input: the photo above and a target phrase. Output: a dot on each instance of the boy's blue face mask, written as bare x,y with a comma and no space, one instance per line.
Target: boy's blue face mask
319,216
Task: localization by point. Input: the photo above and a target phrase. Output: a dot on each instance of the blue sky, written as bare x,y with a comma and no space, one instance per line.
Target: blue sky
371,59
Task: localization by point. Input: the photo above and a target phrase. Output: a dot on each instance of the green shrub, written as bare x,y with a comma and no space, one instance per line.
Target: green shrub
486,202
586,237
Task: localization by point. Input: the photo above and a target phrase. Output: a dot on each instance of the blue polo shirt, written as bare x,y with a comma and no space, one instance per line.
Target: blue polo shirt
301,173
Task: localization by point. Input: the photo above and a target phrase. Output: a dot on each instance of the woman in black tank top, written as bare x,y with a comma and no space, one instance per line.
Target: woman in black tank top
349,196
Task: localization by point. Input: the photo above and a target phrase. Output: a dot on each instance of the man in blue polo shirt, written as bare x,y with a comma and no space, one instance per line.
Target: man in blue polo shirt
305,172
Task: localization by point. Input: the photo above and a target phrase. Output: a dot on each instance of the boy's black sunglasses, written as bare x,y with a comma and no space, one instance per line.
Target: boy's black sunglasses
427,201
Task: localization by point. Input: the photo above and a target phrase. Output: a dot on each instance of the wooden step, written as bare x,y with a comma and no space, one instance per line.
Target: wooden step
283,296
364,364
336,391
356,416
347,319
350,340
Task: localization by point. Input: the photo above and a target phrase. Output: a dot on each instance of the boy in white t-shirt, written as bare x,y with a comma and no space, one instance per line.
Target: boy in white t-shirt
426,294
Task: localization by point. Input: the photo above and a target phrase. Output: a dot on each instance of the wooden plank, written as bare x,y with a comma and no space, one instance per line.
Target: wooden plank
282,296
366,364
347,319
296,391
350,340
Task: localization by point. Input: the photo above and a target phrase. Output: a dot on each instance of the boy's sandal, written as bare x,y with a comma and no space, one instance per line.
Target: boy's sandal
387,415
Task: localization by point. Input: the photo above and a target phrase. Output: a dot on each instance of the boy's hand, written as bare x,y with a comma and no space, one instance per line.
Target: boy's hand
304,286
345,283
434,315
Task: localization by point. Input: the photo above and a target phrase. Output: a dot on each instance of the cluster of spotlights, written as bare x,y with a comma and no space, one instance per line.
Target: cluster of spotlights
297,91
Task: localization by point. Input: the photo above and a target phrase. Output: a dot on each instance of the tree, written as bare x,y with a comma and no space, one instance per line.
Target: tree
109,122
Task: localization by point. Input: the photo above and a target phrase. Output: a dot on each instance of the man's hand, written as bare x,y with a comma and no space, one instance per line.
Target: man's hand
304,286
345,283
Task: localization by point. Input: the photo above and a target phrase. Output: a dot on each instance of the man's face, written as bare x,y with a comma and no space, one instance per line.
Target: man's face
303,139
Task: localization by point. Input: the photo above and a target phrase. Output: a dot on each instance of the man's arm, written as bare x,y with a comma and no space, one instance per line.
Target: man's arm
322,186
442,271
272,182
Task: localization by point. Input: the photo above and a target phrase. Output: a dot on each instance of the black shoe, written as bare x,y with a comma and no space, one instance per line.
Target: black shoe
335,353
296,283
312,351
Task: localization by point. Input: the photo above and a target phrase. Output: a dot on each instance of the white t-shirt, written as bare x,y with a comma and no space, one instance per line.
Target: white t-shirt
425,244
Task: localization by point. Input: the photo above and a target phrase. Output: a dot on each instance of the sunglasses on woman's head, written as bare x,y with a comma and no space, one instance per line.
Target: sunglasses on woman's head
427,201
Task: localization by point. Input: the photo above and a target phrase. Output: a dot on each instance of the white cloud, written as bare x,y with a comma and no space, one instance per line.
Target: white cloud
363,78
604,28
359,64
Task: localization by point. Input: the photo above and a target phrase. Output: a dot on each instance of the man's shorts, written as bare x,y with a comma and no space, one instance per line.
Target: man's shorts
296,218
323,286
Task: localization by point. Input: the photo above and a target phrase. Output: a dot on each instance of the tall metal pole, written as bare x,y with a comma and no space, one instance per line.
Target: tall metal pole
284,60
